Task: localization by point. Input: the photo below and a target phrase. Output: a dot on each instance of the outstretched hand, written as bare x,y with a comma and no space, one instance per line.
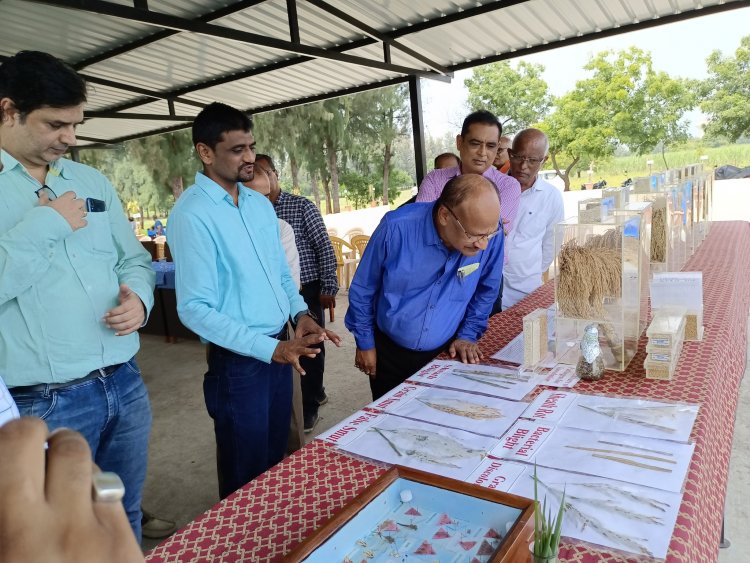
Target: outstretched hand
129,315
290,351
307,326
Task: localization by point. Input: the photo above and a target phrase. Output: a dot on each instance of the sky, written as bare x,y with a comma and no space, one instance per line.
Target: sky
680,49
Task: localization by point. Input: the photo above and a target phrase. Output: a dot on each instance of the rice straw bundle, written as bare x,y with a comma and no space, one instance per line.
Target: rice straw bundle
587,275
658,236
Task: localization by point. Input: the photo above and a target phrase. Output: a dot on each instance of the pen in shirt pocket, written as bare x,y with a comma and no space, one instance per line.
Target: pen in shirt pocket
467,270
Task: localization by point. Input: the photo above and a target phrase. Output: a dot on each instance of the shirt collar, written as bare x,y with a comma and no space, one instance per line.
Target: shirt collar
281,198
430,232
457,172
215,192
56,168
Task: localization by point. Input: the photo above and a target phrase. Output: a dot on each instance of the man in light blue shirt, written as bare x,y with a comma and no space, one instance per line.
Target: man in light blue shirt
75,285
235,291
427,282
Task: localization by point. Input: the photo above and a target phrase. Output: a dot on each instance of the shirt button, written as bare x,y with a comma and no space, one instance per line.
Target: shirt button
432,306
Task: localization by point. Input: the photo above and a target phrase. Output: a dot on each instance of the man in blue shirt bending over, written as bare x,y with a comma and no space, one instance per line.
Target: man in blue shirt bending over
427,282
235,291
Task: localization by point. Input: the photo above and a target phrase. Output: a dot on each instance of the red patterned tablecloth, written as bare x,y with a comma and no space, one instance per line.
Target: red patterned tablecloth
272,514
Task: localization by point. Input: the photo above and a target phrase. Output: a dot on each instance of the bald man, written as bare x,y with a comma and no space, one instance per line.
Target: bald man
531,246
427,282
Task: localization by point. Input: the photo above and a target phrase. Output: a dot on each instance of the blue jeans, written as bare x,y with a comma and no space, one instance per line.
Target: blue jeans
114,415
250,403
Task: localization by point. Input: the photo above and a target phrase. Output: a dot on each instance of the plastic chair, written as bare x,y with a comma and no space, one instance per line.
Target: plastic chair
360,243
352,233
340,247
333,232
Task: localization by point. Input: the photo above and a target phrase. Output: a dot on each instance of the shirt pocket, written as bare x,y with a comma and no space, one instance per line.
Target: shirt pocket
464,288
98,234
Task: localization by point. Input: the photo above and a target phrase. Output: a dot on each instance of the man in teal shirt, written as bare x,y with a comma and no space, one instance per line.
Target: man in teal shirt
75,285
235,291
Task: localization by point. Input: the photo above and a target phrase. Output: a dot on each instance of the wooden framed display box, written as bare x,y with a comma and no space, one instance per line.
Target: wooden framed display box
412,515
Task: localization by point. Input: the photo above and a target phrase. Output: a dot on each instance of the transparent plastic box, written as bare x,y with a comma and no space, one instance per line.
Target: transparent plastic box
683,290
666,329
596,209
621,196
662,254
599,280
659,370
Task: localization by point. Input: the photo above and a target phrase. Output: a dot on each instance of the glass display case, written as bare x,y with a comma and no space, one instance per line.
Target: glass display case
602,276
411,515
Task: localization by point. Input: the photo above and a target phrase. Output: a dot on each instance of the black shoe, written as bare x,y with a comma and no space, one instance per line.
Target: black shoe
310,422
322,399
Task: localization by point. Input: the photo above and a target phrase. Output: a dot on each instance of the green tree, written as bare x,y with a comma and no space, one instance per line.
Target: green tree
624,102
726,93
517,96
378,118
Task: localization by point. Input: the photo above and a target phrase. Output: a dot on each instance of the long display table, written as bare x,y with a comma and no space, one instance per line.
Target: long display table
270,515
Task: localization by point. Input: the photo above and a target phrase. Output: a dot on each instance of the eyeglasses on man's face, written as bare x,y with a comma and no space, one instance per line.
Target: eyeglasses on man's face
517,158
470,237
45,189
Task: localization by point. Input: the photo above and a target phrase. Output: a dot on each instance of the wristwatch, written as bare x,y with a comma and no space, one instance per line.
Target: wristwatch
307,312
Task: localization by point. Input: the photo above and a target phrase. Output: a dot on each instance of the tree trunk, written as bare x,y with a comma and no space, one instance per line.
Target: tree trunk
327,190
664,157
386,171
177,187
334,171
315,188
294,165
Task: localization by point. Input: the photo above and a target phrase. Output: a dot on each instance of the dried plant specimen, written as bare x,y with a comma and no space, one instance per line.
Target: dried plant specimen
426,446
467,409
659,235
633,463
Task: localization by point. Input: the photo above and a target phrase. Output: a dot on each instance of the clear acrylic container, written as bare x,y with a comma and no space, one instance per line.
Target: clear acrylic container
599,268
661,234
666,329
621,196
595,209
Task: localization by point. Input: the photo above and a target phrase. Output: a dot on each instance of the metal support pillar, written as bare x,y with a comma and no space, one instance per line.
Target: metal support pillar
417,127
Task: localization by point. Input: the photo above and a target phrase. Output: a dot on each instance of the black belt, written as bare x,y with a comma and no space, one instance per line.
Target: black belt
101,372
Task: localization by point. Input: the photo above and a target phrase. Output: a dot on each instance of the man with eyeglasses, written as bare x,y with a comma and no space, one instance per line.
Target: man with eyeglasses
75,285
477,146
501,162
427,283
531,245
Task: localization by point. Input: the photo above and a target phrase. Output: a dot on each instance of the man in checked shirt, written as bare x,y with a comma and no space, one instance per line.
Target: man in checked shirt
317,274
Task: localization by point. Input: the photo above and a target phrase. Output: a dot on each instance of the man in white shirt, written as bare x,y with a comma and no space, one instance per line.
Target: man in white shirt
531,244
261,183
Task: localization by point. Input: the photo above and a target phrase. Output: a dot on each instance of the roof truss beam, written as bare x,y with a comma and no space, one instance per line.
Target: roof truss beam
181,24
377,35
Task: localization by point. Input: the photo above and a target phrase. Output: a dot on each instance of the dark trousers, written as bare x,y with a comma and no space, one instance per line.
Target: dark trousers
250,403
498,305
396,363
312,381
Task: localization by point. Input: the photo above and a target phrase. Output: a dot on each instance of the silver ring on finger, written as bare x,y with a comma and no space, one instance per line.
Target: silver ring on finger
107,486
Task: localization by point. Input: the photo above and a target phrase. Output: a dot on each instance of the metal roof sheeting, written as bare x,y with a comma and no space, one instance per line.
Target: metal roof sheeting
179,50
